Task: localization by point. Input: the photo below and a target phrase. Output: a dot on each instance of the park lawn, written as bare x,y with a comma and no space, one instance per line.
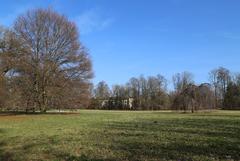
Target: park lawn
114,135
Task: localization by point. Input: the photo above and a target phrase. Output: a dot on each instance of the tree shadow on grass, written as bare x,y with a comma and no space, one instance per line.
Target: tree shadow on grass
23,152
177,140
37,113
150,139
5,156
69,157
178,150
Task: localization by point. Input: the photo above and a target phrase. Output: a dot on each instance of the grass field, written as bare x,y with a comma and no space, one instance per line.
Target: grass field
114,135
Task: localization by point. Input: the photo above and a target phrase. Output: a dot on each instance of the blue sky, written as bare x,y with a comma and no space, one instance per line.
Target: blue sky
127,38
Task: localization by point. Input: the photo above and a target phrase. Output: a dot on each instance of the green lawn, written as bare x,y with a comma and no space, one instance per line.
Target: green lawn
114,135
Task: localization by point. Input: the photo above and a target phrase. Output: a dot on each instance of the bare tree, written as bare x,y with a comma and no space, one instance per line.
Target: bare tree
220,78
184,91
157,97
119,93
182,80
194,98
54,61
134,84
102,90
2,79
9,47
205,96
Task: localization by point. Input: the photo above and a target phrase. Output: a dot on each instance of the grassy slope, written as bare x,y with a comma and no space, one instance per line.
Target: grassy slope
105,135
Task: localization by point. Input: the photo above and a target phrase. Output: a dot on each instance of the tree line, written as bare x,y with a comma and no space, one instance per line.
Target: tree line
151,93
43,65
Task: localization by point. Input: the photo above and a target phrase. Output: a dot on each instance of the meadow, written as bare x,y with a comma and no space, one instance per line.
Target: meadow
120,135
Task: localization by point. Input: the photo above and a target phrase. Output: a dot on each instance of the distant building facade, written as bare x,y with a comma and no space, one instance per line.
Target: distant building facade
117,103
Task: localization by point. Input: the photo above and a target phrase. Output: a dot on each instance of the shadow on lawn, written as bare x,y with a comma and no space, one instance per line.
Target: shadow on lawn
177,140
151,139
7,156
4,155
30,147
21,153
37,113
69,157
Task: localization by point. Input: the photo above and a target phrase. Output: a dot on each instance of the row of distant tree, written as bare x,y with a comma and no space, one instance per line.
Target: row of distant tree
43,65
151,93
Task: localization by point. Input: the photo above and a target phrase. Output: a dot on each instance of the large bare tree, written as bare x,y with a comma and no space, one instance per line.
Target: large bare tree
55,67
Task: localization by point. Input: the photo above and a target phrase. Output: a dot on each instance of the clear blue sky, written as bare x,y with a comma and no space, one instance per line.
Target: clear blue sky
131,37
